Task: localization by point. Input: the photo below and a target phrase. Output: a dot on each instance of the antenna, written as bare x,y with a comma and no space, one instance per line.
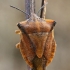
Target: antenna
20,10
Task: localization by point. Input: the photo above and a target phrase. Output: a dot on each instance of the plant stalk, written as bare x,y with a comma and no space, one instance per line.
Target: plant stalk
27,8
43,10
38,63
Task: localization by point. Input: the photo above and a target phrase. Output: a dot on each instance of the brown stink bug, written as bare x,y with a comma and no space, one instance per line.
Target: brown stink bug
36,39
37,44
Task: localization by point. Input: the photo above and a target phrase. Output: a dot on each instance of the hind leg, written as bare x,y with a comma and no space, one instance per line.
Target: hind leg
18,45
17,31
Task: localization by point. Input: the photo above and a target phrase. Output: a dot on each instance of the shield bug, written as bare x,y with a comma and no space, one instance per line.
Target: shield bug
37,44
36,39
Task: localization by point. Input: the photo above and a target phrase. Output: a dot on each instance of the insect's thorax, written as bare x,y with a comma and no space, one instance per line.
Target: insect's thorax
35,25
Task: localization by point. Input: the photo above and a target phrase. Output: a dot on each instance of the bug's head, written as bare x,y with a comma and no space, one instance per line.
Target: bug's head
35,24
39,25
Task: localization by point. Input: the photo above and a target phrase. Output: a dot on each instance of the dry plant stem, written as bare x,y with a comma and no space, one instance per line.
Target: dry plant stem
27,8
38,63
32,6
43,10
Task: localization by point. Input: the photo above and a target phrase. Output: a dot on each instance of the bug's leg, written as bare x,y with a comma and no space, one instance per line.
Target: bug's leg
17,31
18,45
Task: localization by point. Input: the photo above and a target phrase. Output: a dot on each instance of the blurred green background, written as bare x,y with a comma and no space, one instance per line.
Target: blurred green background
10,57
